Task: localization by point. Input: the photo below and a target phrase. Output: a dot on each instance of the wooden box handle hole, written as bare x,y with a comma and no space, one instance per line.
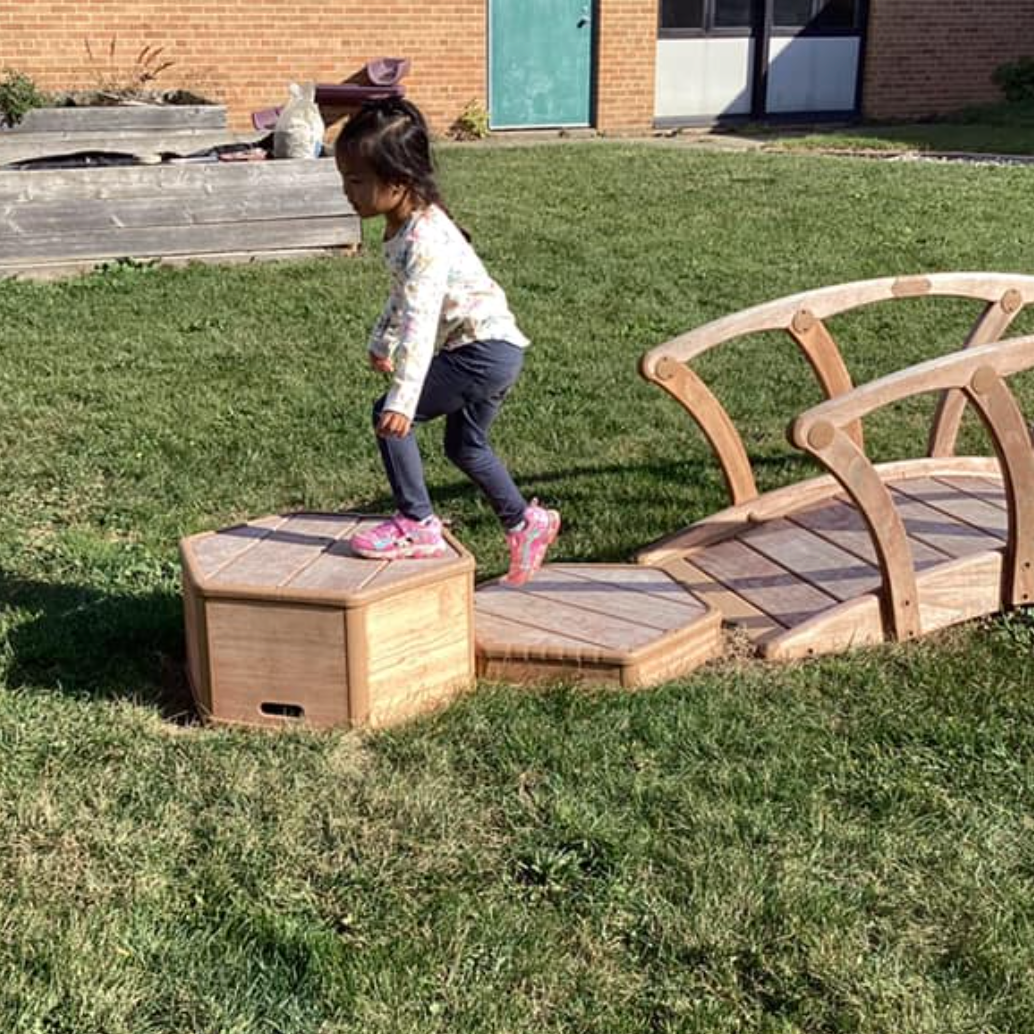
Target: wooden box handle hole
275,710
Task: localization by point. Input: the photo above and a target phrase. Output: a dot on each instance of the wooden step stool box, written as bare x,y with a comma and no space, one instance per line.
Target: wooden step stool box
285,625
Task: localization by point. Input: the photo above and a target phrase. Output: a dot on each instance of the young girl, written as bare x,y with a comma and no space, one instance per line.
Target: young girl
441,297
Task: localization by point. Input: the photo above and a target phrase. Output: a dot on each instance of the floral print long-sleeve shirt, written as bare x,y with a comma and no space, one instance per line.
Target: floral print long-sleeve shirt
441,297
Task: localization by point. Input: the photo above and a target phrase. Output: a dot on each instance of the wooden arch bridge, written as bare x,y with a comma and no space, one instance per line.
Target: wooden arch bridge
868,552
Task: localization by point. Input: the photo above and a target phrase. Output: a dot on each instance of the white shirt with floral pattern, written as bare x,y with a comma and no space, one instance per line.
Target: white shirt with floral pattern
441,297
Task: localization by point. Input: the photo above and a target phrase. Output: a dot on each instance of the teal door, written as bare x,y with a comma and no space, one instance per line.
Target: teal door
540,63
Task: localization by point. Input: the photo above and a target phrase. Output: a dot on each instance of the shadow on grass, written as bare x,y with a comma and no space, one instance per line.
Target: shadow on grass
78,640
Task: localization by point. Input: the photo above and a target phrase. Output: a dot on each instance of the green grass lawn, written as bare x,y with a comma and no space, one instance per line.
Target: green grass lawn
842,845
995,129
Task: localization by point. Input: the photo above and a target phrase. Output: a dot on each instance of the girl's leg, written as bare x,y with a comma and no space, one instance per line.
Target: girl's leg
491,369
405,470
452,379
530,530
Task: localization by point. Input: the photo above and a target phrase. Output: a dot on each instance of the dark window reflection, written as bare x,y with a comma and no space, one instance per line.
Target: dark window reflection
733,14
682,14
836,14
791,14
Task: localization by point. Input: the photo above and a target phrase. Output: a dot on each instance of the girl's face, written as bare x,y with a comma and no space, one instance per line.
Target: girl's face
369,195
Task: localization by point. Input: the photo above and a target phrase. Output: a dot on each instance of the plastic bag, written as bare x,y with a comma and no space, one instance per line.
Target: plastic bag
299,129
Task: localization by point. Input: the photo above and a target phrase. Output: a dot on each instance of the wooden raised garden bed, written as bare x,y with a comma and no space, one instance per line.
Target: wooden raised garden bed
57,222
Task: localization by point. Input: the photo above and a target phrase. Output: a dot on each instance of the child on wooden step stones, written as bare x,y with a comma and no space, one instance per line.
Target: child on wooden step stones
446,338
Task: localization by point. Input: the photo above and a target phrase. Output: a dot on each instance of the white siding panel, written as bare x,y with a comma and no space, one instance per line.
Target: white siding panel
703,77
806,74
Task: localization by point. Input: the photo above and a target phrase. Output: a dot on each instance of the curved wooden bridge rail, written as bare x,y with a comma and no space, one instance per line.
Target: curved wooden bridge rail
803,317
977,375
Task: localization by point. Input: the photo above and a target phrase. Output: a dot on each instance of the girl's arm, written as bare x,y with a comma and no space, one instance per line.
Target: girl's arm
420,311
384,336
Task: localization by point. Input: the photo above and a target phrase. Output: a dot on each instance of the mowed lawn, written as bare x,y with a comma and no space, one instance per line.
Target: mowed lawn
841,845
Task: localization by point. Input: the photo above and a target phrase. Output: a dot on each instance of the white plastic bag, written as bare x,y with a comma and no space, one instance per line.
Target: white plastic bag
299,129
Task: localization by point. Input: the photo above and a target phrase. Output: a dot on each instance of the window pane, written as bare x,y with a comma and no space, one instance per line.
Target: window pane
791,14
733,14
835,14
682,14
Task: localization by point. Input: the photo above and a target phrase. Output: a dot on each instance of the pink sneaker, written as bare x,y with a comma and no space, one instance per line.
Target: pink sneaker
400,538
529,542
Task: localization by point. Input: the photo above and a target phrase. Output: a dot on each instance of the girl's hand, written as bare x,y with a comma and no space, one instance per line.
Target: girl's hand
393,425
380,364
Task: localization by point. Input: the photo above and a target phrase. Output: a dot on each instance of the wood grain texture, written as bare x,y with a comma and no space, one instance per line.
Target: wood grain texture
993,322
168,180
131,117
269,657
830,301
417,645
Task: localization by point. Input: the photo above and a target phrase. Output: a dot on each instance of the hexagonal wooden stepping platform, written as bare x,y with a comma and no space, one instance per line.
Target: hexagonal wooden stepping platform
286,625
617,623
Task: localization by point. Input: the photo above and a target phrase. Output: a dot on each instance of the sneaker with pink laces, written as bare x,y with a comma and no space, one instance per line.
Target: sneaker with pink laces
529,541
400,538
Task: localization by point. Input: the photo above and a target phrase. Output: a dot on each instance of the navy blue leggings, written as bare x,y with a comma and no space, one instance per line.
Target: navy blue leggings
466,386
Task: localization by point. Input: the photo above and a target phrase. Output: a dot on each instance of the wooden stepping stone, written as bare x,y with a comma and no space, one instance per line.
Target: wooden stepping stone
612,623
286,625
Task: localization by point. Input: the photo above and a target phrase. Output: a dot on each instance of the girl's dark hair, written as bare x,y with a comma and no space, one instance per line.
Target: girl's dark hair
391,137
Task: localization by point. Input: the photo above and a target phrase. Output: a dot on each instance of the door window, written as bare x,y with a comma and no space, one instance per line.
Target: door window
701,17
815,15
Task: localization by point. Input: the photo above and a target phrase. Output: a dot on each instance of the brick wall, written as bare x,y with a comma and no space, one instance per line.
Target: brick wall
627,55
931,56
245,52
923,57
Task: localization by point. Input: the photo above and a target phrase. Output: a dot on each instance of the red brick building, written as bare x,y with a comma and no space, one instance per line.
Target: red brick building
622,66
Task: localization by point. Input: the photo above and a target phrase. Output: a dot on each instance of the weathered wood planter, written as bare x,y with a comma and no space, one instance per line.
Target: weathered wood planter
58,222
146,129
286,626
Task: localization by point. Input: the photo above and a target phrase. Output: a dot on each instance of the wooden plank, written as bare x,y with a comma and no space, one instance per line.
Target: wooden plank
336,568
635,577
850,625
989,490
771,588
277,557
679,655
171,240
58,218
532,670
735,610
938,529
603,630
958,590
970,509
58,270
135,117
564,585
197,645
417,646
815,559
166,179
31,146
277,655
783,502
211,552
509,639
840,523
